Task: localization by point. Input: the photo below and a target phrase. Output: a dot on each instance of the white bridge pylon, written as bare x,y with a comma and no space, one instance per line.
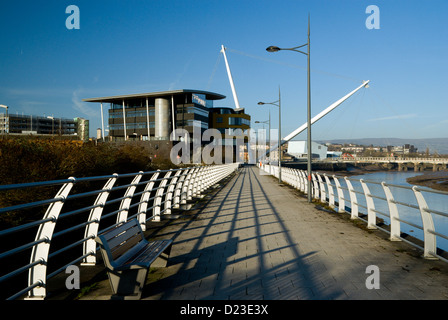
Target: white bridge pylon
304,126
232,85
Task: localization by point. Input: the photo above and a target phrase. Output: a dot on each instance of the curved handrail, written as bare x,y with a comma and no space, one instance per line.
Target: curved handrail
148,196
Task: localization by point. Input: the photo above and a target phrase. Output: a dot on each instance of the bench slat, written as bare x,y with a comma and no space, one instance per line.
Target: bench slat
121,228
128,246
123,237
150,252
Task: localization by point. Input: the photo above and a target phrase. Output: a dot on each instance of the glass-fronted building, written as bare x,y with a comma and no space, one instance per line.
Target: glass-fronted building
154,116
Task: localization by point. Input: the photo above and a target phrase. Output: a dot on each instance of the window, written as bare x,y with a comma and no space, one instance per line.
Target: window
236,121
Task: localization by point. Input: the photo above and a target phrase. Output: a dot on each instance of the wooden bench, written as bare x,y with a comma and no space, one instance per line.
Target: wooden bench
128,255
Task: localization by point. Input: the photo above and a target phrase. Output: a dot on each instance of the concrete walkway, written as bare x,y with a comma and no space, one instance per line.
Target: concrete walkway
256,239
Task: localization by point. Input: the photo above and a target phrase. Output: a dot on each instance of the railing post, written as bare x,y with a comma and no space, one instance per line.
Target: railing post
144,199
39,253
340,192
353,199
190,183
91,230
178,188
371,215
170,192
304,181
185,186
395,231
330,191
205,179
315,186
159,195
197,181
430,247
323,192
126,202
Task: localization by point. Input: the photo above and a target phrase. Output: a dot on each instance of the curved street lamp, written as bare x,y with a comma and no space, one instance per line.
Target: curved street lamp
309,155
279,133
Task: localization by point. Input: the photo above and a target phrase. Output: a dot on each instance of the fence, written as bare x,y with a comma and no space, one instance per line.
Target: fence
81,209
391,202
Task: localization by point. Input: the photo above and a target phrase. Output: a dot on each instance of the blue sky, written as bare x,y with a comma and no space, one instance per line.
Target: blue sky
133,46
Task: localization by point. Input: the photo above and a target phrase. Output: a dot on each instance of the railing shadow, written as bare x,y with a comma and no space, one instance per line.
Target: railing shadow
223,270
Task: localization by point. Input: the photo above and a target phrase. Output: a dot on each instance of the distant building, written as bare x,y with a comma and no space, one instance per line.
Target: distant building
15,124
404,149
230,123
299,149
155,115
234,125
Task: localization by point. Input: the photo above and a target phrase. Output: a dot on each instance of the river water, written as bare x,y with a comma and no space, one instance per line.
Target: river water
435,201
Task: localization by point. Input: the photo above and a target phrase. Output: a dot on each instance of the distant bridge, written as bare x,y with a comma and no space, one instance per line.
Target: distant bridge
419,164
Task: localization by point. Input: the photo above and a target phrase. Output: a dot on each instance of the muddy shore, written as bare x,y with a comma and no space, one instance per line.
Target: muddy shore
434,180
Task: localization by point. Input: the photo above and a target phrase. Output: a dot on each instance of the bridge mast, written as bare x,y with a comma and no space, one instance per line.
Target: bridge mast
319,116
237,104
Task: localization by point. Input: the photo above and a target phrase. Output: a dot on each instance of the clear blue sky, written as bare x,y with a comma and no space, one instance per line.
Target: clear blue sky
137,46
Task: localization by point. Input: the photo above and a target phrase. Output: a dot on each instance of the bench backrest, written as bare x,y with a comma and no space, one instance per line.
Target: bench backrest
120,242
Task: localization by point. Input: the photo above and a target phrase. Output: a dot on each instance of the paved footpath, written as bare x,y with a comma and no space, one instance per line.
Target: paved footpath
256,239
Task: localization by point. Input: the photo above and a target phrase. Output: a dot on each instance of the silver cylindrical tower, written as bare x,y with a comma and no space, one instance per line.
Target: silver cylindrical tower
162,119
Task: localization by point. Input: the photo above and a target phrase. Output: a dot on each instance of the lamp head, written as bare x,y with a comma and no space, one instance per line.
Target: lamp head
272,49
260,103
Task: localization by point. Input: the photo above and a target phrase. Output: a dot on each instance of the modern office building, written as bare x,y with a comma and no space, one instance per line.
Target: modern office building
226,120
234,125
155,115
15,124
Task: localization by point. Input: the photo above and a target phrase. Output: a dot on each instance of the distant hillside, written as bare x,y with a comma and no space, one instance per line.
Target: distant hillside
439,145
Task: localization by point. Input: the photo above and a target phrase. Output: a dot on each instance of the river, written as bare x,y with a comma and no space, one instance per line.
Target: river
435,201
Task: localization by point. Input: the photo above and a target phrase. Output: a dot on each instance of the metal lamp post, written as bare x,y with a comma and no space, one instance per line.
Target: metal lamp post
275,49
279,133
269,137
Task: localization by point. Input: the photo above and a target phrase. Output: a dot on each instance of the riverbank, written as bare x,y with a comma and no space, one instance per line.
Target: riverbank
434,180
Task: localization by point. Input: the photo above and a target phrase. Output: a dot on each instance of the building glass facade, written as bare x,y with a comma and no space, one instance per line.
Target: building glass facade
154,116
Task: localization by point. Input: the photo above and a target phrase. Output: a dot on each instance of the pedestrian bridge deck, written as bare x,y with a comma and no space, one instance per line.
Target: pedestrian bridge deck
257,239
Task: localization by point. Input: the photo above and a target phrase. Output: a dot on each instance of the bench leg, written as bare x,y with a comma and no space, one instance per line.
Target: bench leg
128,284
162,259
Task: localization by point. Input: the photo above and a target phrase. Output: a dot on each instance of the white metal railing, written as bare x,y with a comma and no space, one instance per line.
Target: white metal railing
352,195
73,218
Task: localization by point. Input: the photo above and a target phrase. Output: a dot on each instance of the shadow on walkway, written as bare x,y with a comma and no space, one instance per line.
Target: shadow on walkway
241,248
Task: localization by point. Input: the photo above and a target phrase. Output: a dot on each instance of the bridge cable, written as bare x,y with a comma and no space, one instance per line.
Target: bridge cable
214,71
